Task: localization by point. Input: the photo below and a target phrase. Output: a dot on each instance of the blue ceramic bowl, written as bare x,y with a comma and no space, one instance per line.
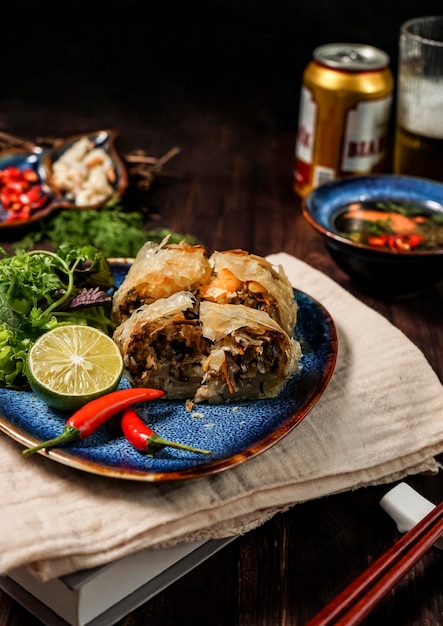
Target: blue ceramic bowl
381,271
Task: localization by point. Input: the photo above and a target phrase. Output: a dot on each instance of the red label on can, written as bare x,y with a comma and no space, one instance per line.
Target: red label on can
303,173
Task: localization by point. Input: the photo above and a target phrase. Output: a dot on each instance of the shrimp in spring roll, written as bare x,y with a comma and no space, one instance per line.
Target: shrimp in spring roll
158,271
242,278
163,347
251,355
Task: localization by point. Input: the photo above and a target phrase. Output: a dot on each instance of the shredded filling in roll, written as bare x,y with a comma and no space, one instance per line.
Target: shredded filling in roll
163,347
251,356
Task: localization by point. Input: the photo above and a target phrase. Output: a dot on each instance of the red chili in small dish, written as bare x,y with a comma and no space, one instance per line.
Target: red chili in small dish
21,192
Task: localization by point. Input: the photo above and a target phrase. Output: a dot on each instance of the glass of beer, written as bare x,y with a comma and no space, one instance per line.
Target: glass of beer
418,146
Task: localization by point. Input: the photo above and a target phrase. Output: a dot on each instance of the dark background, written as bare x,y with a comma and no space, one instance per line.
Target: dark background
143,60
222,81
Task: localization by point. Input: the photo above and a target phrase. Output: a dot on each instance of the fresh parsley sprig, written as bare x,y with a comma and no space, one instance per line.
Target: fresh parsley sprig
112,229
118,233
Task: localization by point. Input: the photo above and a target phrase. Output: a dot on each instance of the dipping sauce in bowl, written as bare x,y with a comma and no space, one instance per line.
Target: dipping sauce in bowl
401,226
384,231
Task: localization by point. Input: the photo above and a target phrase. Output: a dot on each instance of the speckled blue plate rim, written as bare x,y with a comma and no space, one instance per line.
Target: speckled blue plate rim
234,432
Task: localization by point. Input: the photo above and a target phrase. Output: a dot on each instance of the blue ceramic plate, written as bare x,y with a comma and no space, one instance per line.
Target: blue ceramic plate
41,159
233,432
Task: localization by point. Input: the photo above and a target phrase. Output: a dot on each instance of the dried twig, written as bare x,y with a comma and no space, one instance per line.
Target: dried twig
142,168
8,141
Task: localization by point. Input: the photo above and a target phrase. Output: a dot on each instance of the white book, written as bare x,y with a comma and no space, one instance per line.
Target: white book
103,595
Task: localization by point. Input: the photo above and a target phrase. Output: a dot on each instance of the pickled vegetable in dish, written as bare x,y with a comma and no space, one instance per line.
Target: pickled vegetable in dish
84,173
158,271
410,226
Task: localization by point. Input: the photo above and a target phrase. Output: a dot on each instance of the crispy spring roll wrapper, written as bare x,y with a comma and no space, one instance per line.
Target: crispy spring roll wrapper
242,278
158,271
251,355
163,347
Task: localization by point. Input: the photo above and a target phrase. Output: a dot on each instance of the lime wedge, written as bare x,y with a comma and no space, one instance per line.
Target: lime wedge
71,365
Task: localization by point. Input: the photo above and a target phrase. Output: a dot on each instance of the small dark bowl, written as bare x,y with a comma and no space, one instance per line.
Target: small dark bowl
382,272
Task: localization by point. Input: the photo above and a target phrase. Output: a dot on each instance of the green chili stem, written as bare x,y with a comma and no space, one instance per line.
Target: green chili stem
155,441
69,434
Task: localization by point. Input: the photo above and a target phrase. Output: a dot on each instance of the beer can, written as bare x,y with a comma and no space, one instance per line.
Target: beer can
345,107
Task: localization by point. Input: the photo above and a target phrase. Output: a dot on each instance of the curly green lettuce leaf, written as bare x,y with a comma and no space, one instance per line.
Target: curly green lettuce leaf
13,355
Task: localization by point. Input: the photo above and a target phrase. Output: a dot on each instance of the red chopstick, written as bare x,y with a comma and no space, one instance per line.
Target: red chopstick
358,599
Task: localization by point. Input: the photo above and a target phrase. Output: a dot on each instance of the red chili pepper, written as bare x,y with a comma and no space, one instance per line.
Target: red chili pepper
377,241
12,172
145,439
18,186
396,242
21,190
405,242
95,413
415,240
5,199
30,175
35,194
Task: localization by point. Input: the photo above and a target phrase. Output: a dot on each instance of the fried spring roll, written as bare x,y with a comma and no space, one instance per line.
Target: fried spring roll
251,355
158,271
242,278
163,347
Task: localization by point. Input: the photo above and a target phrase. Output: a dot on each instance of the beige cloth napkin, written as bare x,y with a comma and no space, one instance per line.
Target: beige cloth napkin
380,419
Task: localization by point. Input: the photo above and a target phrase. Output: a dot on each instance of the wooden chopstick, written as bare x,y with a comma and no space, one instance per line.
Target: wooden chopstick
358,599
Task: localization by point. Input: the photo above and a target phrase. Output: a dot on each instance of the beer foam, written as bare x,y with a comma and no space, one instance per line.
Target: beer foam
420,111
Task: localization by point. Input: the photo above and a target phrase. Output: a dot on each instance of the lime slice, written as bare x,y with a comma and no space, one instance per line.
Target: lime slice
71,365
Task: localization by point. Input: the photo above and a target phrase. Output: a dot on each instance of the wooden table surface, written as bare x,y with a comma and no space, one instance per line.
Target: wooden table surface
231,186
